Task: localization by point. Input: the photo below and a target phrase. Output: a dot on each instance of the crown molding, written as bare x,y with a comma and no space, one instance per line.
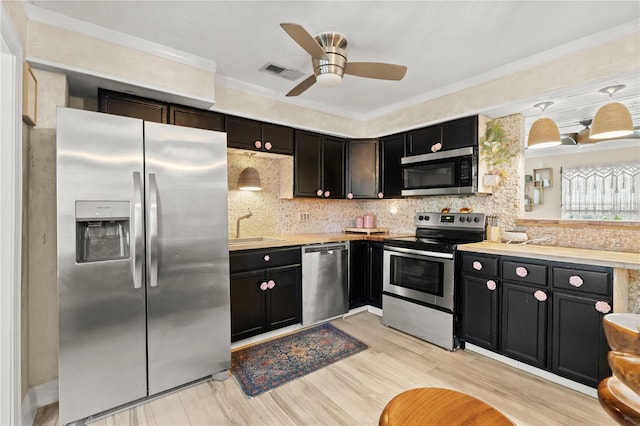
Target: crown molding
45,16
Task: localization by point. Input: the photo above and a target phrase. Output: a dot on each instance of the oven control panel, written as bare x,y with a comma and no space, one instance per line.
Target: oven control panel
450,220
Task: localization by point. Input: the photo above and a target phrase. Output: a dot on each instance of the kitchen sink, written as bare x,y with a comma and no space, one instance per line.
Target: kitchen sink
252,240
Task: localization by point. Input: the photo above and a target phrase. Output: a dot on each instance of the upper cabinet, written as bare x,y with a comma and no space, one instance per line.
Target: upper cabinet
193,117
132,106
391,151
319,166
254,135
454,134
363,169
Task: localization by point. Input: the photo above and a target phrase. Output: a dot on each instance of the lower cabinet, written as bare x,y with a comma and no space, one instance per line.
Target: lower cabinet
546,314
365,273
264,298
524,323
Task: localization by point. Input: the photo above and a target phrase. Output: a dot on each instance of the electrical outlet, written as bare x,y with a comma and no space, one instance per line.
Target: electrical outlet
303,217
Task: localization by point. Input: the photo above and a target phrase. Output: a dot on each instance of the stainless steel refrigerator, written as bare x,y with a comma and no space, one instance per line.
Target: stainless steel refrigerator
143,263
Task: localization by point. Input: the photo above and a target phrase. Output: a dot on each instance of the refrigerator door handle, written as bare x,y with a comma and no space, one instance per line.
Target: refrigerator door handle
136,259
152,233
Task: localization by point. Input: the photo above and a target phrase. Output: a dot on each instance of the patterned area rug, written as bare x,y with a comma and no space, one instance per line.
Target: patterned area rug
262,367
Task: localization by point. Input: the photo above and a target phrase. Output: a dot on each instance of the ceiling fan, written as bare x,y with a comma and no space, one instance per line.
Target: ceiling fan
329,58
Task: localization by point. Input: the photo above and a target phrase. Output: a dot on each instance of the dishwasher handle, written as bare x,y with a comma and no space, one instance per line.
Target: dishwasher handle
324,248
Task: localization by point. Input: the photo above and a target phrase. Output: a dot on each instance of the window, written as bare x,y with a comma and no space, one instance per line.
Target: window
601,192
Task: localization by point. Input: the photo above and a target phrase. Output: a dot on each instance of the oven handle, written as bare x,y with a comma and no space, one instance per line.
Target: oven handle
422,253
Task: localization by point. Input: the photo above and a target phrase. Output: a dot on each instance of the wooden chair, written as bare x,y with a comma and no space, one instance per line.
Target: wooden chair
437,406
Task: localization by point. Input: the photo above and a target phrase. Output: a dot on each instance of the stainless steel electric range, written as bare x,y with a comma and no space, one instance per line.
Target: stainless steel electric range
419,285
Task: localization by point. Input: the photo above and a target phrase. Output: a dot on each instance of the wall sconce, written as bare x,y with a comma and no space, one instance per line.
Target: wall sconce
612,120
544,132
249,180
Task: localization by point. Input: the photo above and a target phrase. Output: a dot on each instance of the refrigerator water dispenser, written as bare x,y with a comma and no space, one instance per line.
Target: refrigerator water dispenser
102,230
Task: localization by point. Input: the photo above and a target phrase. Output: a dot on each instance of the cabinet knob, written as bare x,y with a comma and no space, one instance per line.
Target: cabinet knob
258,144
268,146
267,258
603,307
327,194
350,196
319,192
540,295
491,285
264,285
436,147
380,195
521,271
271,284
576,280
477,265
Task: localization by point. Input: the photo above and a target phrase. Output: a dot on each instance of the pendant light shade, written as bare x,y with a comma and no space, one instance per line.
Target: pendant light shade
249,180
544,134
611,121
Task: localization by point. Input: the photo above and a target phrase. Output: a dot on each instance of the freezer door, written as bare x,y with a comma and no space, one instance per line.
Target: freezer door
102,345
189,331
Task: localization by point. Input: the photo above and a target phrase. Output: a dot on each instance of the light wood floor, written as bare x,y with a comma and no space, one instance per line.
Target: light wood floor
355,390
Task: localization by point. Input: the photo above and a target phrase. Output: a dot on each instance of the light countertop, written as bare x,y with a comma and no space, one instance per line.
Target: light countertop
303,239
614,259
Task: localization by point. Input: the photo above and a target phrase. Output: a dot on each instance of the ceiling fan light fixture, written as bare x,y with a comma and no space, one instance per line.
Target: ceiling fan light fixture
611,121
328,79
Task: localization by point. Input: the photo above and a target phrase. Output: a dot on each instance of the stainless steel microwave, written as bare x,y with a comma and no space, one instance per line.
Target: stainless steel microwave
453,172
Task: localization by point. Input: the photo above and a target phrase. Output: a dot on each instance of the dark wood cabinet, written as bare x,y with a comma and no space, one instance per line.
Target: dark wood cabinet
546,314
365,263
194,117
453,134
582,296
117,103
523,326
266,290
319,165
391,153
363,169
255,135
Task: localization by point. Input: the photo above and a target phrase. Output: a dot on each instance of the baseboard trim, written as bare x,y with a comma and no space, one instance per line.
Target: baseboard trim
578,387
36,397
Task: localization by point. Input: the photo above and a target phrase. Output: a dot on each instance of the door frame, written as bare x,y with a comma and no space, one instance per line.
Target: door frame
10,222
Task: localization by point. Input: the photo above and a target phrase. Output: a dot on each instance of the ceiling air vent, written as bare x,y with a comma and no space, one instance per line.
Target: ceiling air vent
280,71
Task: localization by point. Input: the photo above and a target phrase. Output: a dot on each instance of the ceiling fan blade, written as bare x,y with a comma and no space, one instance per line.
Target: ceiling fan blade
304,39
377,70
306,83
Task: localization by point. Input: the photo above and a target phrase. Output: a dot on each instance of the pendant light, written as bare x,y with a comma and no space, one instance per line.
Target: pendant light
249,180
544,132
612,120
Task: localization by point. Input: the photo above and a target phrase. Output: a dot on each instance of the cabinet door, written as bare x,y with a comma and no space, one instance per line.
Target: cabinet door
391,152
480,311
247,305
243,133
359,273
376,251
460,133
420,141
198,118
523,323
333,166
277,139
578,341
132,106
363,168
307,162
284,299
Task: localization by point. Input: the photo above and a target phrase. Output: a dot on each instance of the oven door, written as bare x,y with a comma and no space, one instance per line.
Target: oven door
419,275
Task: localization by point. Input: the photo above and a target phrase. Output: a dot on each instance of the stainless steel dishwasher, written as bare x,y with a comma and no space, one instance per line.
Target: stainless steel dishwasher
325,281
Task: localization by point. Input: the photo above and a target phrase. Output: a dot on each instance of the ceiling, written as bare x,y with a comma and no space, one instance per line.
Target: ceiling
446,45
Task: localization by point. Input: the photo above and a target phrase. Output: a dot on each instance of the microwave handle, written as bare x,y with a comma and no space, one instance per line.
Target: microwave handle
437,155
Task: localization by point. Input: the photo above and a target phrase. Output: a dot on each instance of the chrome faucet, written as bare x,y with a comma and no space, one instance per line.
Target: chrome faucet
246,216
